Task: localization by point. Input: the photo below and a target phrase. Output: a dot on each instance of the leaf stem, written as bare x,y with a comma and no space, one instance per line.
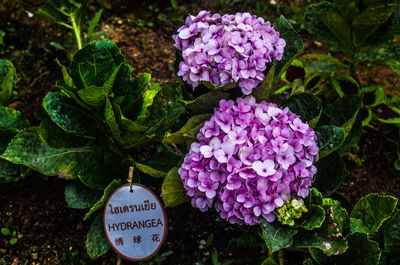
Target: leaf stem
77,32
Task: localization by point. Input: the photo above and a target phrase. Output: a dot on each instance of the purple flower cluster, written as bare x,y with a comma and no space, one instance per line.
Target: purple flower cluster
229,48
251,158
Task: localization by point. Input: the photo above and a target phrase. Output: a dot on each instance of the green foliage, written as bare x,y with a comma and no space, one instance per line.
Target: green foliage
72,14
172,190
352,25
277,236
11,123
96,241
8,78
372,210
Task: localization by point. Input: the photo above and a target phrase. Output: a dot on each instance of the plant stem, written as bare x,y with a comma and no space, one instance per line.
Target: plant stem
280,257
77,32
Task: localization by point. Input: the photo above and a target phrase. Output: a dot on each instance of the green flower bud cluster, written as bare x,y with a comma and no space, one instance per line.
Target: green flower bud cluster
292,209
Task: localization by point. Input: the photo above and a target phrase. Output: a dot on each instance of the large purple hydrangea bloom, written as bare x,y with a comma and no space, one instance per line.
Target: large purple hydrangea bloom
251,158
229,48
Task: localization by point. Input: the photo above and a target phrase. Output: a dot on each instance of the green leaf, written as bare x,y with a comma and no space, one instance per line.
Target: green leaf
361,251
13,241
321,63
331,172
294,45
330,138
187,134
269,261
392,234
106,193
329,238
388,30
150,171
314,218
8,78
369,20
357,225
56,138
95,96
373,96
79,196
277,236
348,9
387,54
9,172
317,27
339,27
5,231
306,105
165,110
263,90
12,119
341,113
96,63
148,98
205,103
93,22
111,121
172,190
373,209
66,77
96,241
94,167
68,115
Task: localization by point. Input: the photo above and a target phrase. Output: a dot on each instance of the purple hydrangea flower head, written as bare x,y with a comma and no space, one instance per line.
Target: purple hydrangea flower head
225,49
250,159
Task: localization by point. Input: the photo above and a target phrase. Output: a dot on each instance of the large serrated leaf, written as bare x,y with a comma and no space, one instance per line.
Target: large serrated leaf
373,209
294,45
361,250
338,26
388,30
331,172
306,105
386,54
277,236
317,28
314,218
172,190
68,115
79,196
330,237
330,138
96,241
341,113
369,20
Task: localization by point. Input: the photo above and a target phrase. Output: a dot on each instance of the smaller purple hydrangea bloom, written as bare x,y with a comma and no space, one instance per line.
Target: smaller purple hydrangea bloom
225,49
251,158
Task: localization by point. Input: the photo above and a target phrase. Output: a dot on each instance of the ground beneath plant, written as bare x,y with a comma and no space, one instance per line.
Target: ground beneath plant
55,234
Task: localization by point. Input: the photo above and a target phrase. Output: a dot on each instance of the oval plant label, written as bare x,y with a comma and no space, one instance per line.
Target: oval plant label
135,222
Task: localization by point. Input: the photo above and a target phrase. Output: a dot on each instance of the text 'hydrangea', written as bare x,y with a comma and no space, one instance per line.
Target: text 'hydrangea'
251,157
227,49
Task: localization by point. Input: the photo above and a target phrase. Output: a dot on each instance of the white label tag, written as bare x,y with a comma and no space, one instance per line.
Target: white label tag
135,222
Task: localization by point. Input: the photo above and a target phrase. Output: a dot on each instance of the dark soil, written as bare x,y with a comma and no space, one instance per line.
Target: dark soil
55,234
